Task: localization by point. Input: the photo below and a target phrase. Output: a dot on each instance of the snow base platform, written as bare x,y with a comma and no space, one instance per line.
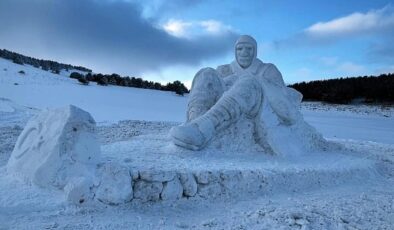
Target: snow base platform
163,171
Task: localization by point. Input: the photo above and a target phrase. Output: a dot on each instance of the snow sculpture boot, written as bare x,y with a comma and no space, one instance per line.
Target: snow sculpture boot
193,135
207,88
197,133
244,98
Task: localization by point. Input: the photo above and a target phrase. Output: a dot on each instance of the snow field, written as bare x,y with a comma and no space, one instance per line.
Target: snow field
352,189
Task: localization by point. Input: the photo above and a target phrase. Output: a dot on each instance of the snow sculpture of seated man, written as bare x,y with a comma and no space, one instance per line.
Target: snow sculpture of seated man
219,98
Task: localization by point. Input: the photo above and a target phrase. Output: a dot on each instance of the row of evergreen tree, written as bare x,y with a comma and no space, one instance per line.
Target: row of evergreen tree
46,65
115,79
365,89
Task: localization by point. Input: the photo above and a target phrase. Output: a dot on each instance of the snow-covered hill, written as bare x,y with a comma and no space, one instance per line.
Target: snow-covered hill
41,89
367,131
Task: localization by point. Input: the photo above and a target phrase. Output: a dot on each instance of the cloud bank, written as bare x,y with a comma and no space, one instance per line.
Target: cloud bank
107,35
373,23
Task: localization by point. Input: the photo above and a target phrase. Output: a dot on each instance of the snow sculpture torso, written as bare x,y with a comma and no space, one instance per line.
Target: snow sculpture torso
250,90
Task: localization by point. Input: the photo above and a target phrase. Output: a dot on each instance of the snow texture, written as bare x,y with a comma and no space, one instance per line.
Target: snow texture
78,190
147,191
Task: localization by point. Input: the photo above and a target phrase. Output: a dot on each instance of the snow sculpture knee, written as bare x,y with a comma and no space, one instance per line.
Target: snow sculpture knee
245,89
55,147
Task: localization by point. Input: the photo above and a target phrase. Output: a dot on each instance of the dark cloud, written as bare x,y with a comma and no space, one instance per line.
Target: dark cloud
165,7
108,35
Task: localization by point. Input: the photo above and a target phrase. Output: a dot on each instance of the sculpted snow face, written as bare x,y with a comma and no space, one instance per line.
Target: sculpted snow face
245,51
247,88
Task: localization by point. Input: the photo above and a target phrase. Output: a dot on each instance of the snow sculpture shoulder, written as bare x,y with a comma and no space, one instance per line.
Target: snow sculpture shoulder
246,89
55,147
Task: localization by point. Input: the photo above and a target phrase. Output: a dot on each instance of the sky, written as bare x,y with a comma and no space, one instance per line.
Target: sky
171,40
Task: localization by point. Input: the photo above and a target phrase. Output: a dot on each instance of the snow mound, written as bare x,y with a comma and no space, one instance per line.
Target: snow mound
55,146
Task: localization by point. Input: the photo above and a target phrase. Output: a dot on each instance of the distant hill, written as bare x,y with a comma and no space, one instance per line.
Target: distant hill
362,89
85,75
46,65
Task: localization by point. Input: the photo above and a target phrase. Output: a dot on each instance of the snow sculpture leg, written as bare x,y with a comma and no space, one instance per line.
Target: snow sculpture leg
243,98
207,88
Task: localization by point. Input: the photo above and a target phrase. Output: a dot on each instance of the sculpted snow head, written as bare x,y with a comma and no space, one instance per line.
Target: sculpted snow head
245,50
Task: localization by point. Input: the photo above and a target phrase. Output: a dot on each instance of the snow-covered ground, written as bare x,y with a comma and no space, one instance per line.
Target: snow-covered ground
129,115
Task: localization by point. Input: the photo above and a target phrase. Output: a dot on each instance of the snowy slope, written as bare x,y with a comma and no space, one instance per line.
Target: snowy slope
367,131
41,89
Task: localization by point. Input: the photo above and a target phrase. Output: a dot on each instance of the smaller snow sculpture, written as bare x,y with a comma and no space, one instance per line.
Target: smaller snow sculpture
246,91
55,148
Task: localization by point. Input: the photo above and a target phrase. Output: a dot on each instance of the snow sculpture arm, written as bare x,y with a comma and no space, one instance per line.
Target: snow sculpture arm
224,70
273,76
279,97
295,96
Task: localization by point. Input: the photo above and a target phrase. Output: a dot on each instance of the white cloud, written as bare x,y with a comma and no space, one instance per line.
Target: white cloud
356,23
177,28
299,75
336,66
189,29
304,73
328,61
386,69
213,26
350,68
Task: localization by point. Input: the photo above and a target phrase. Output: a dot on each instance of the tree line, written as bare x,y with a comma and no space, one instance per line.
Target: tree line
136,82
364,89
101,79
47,65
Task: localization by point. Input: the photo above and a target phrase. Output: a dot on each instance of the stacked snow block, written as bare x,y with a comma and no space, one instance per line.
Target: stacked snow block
156,185
118,185
151,185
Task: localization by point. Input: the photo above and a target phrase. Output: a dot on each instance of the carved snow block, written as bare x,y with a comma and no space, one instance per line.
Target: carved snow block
189,184
55,146
78,190
172,190
115,184
147,191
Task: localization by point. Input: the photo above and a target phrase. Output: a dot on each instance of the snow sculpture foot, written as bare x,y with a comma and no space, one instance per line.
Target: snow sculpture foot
194,135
